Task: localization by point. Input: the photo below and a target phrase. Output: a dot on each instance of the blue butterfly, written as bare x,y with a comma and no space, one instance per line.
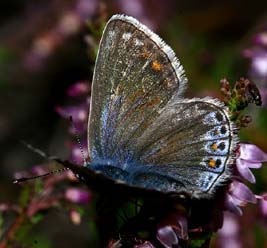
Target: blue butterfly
143,133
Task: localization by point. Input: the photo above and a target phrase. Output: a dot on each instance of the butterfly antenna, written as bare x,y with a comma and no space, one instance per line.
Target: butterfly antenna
43,155
85,162
23,179
37,151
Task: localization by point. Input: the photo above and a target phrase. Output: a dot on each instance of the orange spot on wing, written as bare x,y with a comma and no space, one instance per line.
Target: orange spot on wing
156,65
212,163
214,146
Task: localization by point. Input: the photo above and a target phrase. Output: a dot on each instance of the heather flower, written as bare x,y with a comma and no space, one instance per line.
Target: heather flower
238,196
263,92
79,152
263,204
77,195
78,113
259,63
69,24
86,9
252,154
167,236
261,39
136,9
229,234
249,156
257,54
172,228
79,89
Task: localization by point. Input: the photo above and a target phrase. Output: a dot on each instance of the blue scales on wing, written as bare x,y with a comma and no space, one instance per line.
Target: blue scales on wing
141,129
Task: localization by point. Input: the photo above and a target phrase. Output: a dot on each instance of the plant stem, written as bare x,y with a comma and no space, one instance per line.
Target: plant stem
12,231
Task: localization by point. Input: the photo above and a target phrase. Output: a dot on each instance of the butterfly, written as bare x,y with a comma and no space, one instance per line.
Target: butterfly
142,132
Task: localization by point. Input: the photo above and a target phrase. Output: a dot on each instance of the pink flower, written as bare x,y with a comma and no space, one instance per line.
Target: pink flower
78,113
229,234
171,229
263,204
261,39
77,195
250,156
257,54
259,63
79,116
79,89
86,8
137,9
167,237
79,152
238,196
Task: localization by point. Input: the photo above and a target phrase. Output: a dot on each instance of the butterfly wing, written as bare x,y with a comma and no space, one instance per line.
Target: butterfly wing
140,127
135,75
101,183
188,148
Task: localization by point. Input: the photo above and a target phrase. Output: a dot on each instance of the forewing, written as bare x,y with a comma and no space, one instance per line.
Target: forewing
135,75
188,148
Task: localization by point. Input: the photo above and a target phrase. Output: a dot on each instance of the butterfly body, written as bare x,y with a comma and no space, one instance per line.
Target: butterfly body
143,133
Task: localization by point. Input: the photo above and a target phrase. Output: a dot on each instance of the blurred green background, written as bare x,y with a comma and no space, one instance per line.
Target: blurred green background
46,46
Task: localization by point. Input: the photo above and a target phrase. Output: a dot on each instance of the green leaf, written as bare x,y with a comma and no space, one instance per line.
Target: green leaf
37,218
23,231
201,241
38,186
24,195
197,243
